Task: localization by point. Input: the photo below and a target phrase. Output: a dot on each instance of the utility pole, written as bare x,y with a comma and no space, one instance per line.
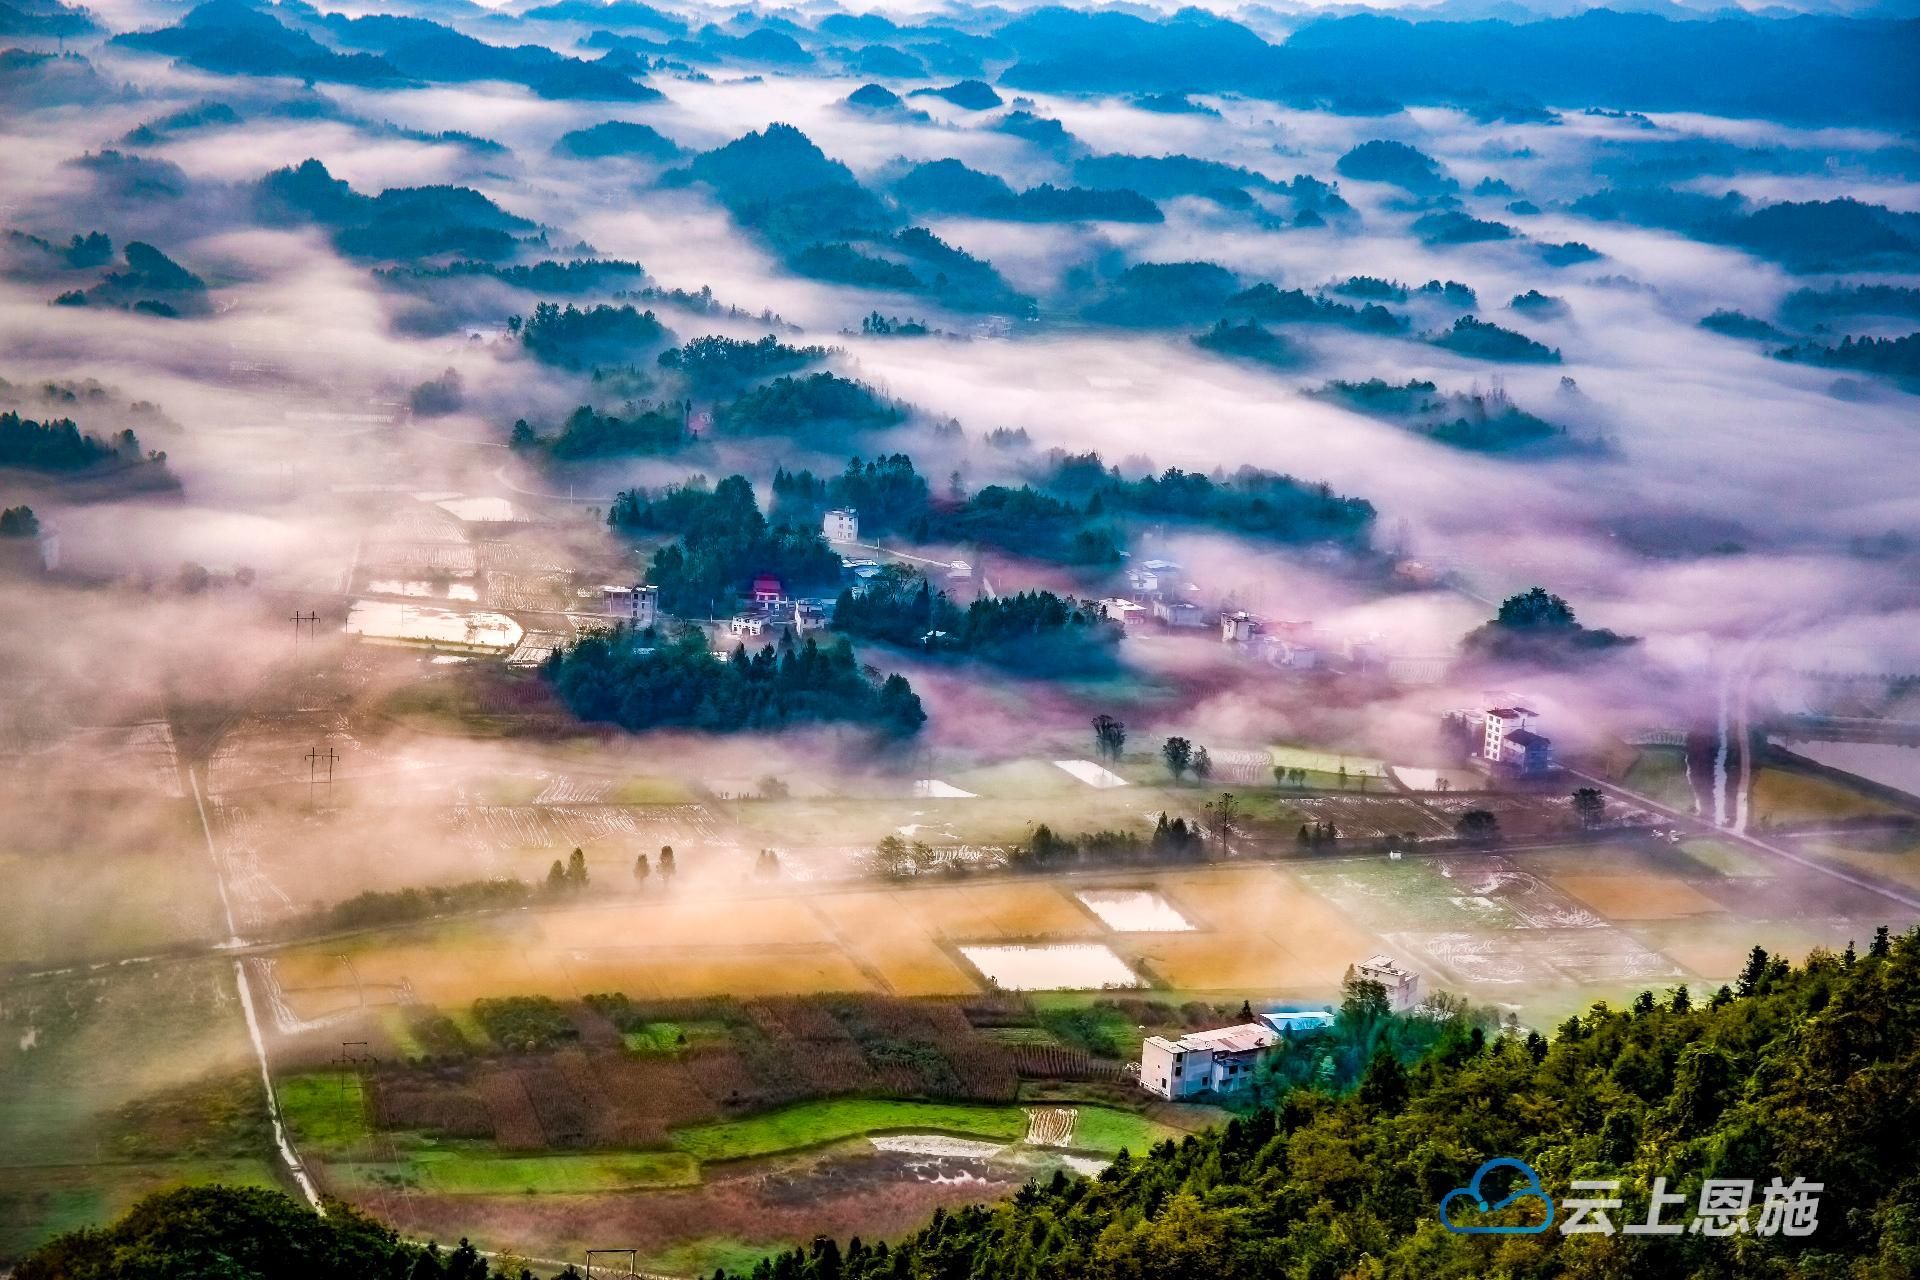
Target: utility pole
315,759
612,1267
300,620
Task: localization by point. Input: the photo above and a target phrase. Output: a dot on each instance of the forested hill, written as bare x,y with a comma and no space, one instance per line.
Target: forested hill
1801,1073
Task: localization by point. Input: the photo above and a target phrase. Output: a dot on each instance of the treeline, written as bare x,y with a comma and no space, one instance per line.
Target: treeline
575,276
587,433
791,404
715,363
60,445
1252,502
1033,630
1488,422
575,338
1800,1073
724,541
1074,511
1899,357
649,681
377,907
887,492
1172,839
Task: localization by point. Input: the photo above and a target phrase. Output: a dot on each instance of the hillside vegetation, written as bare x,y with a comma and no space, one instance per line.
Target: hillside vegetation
1799,1073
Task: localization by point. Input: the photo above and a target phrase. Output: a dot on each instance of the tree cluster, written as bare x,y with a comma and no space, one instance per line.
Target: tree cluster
1033,630
59,445
649,681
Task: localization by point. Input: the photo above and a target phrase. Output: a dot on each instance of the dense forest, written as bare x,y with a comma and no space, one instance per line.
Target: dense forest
649,681
1796,1074
1033,630
723,543
60,445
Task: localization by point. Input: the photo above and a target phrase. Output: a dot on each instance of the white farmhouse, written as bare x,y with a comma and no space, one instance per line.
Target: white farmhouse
1221,1061
1402,984
842,524
637,606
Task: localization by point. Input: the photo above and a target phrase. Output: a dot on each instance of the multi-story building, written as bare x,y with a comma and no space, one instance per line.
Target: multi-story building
638,606
1402,984
1221,1061
842,524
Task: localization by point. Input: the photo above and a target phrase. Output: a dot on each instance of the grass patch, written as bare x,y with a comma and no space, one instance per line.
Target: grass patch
814,1124
1109,1132
656,1038
325,1109
1786,796
1661,773
393,1020
650,790
466,1171
1105,1033
1728,859
469,1027
707,1256
1329,764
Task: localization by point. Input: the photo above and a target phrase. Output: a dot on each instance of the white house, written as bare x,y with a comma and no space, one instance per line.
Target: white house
1508,741
1179,613
1501,721
1402,984
1221,1061
1238,628
638,606
842,524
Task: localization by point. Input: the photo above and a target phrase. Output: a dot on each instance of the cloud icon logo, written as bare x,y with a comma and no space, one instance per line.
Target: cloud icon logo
1528,1188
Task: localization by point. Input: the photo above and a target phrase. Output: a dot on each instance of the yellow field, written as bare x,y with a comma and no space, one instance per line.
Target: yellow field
689,922
1270,931
1639,897
1780,795
895,944
993,912
1900,867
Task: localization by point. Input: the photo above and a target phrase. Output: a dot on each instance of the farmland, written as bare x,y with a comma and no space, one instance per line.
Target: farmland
717,1061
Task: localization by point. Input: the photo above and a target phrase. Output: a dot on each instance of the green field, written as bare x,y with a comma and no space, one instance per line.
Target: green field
481,1171
1728,859
706,1256
648,790
1661,773
1109,1132
655,1037
326,1110
814,1124
1324,767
